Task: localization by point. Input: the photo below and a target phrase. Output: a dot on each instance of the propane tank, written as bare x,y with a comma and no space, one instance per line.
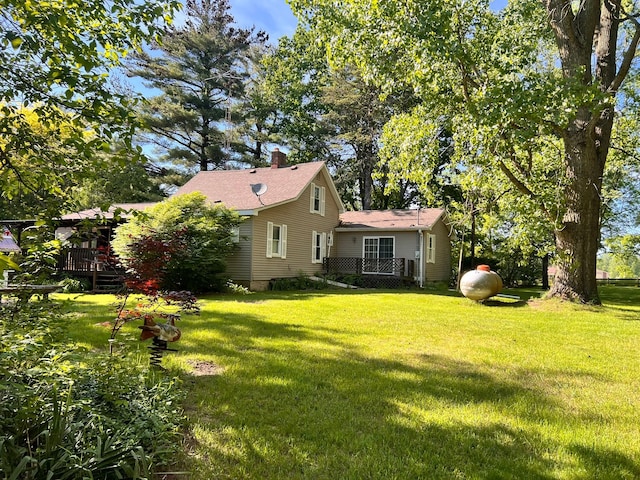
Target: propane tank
481,283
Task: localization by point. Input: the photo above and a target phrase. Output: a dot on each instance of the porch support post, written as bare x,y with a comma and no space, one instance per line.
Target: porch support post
421,260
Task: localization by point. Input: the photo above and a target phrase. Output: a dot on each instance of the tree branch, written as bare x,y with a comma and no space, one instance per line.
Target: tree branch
627,59
522,188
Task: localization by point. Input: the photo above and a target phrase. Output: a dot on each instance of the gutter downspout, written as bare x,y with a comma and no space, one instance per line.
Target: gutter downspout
421,259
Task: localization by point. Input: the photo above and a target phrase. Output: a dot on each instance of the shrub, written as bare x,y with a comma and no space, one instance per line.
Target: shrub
232,287
181,243
67,414
74,285
301,282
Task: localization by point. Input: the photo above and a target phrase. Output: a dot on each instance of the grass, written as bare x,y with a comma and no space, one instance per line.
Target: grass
404,385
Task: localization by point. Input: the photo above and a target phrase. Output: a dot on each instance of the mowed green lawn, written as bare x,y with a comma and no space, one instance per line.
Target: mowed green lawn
404,385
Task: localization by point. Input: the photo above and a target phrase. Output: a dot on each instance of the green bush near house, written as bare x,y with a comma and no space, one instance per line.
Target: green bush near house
74,285
301,282
183,241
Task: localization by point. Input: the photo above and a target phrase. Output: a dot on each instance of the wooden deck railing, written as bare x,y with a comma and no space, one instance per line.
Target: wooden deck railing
78,260
367,266
85,260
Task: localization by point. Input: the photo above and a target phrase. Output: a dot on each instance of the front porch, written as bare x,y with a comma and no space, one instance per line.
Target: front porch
373,272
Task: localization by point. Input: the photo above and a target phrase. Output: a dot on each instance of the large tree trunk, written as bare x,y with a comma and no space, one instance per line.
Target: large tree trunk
586,37
578,239
367,160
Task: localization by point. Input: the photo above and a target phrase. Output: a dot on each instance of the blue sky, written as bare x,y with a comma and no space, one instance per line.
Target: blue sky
272,16
275,16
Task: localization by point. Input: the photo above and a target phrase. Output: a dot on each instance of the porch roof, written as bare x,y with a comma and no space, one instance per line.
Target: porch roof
93,213
407,219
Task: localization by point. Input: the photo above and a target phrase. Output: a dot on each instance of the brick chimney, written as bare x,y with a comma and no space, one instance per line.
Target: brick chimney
278,158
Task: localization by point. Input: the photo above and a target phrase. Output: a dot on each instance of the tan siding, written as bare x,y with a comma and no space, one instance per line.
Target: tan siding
239,263
406,243
440,271
349,244
300,225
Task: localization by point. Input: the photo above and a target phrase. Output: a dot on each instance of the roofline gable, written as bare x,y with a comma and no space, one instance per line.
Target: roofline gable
328,178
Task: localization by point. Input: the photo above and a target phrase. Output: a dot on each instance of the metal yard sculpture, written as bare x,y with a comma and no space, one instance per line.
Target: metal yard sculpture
161,333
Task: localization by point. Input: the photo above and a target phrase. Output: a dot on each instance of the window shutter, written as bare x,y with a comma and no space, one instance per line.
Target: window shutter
283,241
313,197
322,194
314,239
269,239
323,247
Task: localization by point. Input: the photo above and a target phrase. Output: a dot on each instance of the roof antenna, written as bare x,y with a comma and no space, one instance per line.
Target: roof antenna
259,189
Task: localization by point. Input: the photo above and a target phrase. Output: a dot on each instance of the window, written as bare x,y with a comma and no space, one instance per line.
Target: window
235,234
317,199
318,247
430,256
276,240
378,253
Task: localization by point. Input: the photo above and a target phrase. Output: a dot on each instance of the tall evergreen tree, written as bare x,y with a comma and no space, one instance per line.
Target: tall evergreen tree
201,69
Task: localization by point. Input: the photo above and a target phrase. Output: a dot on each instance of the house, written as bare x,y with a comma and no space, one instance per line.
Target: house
413,243
294,224
97,235
291,213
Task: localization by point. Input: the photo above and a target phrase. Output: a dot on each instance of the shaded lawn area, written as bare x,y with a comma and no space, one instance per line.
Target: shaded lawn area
404,385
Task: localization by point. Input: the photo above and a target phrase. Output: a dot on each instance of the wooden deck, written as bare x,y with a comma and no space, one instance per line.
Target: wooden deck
398,267
93,264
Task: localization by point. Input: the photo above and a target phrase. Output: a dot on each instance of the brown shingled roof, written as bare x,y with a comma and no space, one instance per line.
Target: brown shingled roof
411,219
99,213
233,187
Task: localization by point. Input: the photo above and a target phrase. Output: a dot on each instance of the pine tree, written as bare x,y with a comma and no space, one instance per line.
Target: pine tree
201,69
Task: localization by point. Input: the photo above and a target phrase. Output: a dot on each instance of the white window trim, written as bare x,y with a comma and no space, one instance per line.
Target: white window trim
321,200
235,235
364,239
314,246
430,250
282,253
283,241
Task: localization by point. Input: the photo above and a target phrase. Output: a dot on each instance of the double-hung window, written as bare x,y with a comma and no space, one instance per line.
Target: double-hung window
318,246
317,199
276,240
430,254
